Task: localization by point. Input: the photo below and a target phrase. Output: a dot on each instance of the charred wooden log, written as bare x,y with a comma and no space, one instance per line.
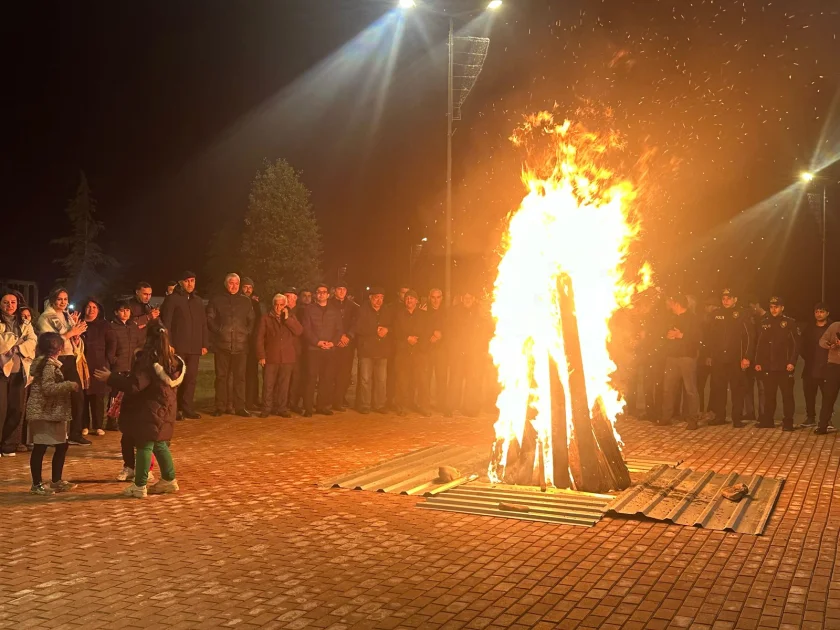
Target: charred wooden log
608,447
559,447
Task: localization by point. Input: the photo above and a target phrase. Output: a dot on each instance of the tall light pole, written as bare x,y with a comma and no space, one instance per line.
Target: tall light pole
807,178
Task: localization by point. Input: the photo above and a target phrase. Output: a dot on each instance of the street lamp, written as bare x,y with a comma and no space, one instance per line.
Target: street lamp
407,4
808,178
494,4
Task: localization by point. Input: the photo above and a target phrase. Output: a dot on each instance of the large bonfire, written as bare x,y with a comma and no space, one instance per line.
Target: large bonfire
562,276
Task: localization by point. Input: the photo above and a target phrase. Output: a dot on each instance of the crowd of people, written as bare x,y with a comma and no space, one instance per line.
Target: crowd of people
67,375
667,352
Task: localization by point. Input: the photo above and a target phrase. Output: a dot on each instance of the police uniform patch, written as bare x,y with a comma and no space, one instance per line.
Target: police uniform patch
783,324
736,314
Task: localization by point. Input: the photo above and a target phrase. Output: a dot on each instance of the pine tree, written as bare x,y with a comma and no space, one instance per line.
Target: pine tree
85,257
281,242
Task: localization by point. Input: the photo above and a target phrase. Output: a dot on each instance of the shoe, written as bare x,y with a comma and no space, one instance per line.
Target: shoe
307,414
243,413
737,424
809,422
12,454
284,414
364,412
765,425
150,478
192,415
216,414
821,430
716,423
164,487
62,486
125,474
296,410
85,431
663,423
179,415
750,418
691,425
40,489
138,492
100,432
399,411
21,448
265,415
787,427
324,412
339,408
79,441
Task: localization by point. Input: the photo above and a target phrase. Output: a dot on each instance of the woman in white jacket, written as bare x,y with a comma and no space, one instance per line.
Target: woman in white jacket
70,326
17,349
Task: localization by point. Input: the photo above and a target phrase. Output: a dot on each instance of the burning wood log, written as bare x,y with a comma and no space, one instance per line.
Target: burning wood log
559,447
608,447
589,477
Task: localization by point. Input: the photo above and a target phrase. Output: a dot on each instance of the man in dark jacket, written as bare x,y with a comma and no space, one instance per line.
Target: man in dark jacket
438,358
252,376
183,315
752,381
391,384
230,319
346,348
776,351
680,347
816,361
729,347
298,382
322,330
411,341
277,349
469,329
128,336
372,335
142,312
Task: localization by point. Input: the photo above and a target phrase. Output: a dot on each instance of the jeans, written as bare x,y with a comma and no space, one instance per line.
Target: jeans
810,386
143,461
774,381
36,461
680,372
343,370
727,375
832,388
94,411
320,370
12,396
373,374
230,381
439,375
186,391
276,380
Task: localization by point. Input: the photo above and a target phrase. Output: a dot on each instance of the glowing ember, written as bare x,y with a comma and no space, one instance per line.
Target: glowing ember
571,235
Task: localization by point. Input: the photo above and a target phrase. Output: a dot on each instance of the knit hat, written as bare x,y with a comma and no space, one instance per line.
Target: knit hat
290,290
248,281
412,293
376,291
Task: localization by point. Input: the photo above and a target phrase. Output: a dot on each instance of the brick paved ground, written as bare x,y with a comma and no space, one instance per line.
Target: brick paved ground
251,542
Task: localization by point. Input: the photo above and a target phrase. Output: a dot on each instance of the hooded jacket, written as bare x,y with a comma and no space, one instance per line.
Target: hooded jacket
150,403
129,339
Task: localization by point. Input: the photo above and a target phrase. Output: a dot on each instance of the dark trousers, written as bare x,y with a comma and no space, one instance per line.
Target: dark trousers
438,363
391,380
186,391
252,381
727,376
343,371
703,373
464,384
373,374
94,411
127,448
230,381
276,381
12,391
320,371
751,380
680,372
810,386
832,389
36,462
77,398
412,381
297,386
773,382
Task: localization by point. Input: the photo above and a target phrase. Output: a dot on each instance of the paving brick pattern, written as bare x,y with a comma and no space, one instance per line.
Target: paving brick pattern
251,542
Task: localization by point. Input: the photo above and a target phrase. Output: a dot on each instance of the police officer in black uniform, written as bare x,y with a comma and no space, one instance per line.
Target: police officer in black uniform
729,347
776,351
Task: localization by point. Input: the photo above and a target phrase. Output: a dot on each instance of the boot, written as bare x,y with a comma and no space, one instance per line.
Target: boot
787,424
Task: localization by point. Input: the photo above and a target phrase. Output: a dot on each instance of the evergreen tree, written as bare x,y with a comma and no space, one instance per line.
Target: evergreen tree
224,253
85,257
281,242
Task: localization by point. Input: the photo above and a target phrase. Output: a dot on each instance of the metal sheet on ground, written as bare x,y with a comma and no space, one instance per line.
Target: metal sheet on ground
688,497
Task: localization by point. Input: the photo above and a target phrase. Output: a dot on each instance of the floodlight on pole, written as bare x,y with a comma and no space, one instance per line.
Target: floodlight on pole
494,4
407,4
807,177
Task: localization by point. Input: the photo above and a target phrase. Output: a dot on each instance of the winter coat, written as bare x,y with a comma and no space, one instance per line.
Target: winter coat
411,325
437,320
371,345
276,338
689,345
48,408
349,315
100,351
469,331
183,314
150,404
129,339
777,345
230,319
730,337
141,314
21,341
321,323
252,347
55,321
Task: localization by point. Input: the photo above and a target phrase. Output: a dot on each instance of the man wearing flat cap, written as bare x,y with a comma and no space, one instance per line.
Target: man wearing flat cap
776,352
345,350
728,350
183,314
411,338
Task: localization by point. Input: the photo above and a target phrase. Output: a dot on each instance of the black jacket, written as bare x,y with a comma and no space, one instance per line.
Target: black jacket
141,314
371,345
100,351
183,314
730,337
469,331
252,348
815,356
349,315
230,319
437,320
321,323
129,339
689,345
777,345
411,325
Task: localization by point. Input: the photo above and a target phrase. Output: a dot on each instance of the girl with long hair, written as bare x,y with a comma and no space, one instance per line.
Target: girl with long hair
149,408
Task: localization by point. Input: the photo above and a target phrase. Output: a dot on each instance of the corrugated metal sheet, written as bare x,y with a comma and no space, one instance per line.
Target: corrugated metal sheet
553,506
416,472
688,497
646,464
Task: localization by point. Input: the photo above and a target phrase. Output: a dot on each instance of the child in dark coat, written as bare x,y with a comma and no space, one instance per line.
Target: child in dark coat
149,407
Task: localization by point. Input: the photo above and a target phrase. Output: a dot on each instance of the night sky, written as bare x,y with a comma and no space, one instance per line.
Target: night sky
170,107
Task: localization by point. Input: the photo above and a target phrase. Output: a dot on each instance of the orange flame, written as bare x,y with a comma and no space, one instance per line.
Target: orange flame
574,220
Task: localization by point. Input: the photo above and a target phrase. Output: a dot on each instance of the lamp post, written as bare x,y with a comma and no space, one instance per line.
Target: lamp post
493,5
808,178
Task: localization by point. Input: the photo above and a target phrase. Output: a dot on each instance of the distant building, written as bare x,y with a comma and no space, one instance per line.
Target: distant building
28,288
